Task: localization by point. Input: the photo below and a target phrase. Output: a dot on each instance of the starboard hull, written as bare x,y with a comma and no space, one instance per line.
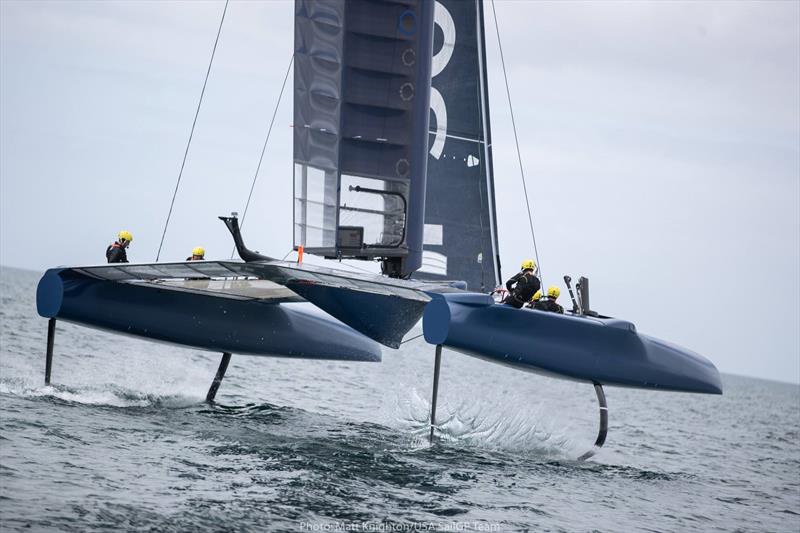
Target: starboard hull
597,350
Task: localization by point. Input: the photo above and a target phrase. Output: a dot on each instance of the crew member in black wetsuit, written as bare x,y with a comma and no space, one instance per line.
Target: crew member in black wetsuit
550,304
116,252
523,285
198,254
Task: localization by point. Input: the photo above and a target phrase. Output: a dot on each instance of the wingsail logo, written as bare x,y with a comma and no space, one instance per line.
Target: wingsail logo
444,20
435,262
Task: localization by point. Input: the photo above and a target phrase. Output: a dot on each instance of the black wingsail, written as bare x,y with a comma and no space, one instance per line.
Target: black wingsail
460,224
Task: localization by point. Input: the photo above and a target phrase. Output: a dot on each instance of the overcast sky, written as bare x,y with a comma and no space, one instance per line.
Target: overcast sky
661,143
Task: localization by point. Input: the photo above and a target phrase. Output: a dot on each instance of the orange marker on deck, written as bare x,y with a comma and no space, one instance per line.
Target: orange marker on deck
299,255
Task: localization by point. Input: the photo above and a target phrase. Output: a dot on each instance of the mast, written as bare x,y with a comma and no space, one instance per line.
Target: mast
487,135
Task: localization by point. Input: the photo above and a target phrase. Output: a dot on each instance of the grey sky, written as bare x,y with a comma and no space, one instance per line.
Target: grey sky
661,143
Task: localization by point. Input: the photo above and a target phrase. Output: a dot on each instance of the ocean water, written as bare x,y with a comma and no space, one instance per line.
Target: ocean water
122,440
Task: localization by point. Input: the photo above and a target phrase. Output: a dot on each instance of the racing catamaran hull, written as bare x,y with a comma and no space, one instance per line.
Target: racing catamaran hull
182,313
604,351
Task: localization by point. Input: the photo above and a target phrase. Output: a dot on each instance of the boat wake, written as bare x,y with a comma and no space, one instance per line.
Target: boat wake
97,395
487,425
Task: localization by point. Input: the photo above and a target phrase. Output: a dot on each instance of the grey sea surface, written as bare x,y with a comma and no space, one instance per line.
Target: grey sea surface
123,440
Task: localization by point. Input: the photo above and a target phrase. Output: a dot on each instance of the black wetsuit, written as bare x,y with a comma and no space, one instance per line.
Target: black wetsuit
548,305
521,289
116,253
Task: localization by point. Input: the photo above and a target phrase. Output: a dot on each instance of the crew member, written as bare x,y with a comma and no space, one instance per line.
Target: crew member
116,252
523,285
198,254
550,304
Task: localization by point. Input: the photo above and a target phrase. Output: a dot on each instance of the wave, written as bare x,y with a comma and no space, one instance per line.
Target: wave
468,422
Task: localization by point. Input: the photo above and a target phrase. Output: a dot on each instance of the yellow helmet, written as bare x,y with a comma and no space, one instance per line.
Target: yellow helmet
537,296
529,264
553,292
125,235
199,250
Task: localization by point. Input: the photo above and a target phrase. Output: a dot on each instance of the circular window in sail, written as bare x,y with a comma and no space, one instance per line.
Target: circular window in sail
409,57
407,91
402,167
407,23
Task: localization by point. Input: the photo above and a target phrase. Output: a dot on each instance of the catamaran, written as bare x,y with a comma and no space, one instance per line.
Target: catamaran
393,163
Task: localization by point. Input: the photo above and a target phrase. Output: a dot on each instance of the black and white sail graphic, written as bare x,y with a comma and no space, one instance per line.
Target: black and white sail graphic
361,122
460,226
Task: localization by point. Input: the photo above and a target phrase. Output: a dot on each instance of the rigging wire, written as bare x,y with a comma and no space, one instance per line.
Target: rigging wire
516,140
412,338
264,148
191,133
345,265
341,265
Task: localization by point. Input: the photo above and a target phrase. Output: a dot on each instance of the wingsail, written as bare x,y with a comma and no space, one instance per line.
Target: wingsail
361,99
460,223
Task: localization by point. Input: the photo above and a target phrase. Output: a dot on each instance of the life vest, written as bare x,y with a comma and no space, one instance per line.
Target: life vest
525,288
548,305
122,255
